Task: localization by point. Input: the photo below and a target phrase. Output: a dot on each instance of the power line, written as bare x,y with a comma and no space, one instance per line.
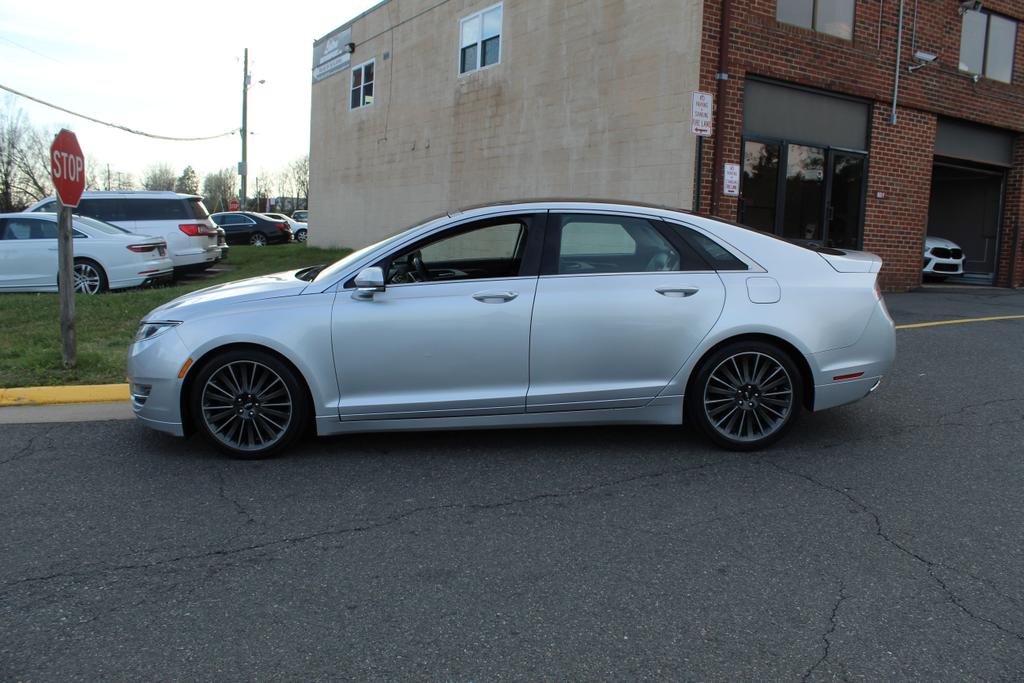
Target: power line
116,125
35,52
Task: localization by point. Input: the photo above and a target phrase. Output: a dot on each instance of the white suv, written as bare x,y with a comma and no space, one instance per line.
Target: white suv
181,219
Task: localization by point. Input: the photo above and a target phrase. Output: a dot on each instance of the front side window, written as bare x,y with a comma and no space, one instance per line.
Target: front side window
494,250
834,17
987,45
594,244
480,40
362,86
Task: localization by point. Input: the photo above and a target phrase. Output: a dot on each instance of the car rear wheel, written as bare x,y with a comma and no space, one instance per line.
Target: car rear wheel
89,277
258,239
746,395
248,403
301,235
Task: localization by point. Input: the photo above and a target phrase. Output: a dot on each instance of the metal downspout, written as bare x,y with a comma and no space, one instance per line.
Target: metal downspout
725,29
899,57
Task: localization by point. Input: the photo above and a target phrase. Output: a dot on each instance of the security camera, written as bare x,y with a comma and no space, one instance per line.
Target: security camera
923,59
970,6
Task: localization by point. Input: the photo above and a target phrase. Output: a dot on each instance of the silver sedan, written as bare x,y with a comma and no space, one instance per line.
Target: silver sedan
516,315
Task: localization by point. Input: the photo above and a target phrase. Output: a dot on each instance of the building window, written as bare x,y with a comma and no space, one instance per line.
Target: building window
987,43
480,40
362,85
834,17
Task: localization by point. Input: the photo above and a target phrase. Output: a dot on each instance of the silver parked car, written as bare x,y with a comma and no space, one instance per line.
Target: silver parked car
530,314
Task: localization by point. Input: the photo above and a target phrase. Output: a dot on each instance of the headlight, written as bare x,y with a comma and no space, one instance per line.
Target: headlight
148,330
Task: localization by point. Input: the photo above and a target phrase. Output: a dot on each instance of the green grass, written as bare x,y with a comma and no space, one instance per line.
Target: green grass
30,323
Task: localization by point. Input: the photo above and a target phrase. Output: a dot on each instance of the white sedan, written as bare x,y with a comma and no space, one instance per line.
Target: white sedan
106,257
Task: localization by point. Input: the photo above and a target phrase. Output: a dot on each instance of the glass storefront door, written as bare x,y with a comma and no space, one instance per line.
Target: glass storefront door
819,197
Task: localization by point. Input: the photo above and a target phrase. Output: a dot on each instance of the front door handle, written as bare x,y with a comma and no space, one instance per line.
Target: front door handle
495,297
677,291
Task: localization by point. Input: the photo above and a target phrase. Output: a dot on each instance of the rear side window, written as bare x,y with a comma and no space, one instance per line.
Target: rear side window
157,210
718,256
109,210
592,244
198,208
48,207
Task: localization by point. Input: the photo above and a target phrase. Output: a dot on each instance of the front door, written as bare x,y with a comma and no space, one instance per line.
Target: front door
619,309
450,335
28,253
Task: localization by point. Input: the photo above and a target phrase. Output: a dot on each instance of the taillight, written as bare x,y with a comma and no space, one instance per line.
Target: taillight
196,229
142,248
283,227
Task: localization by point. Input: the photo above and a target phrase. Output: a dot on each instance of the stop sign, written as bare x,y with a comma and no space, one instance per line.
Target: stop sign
233,205
67,167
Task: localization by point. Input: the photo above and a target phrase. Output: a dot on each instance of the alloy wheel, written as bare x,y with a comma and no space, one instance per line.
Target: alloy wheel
748,396
87,278
246,406
258,239
300,236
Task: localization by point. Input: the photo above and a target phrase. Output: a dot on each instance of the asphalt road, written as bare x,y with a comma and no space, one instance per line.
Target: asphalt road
879,541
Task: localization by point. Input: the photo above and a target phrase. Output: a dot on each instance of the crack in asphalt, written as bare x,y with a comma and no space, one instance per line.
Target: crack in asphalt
9,587
826,641
930,565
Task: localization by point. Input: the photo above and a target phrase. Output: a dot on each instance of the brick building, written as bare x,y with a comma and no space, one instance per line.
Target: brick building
422,106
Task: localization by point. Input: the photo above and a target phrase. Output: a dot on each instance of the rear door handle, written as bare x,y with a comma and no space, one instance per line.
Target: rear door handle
495,297
677,291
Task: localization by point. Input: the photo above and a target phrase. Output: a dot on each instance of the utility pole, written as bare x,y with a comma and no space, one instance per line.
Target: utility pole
242,170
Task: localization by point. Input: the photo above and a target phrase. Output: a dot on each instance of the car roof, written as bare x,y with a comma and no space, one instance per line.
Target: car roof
134,194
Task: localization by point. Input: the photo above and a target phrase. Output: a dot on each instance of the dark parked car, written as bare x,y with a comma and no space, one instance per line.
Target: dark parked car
249,227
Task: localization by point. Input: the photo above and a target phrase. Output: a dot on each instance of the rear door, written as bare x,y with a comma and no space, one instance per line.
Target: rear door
28,253
621,303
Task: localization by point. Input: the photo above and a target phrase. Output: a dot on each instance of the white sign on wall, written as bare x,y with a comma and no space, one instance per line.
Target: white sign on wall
731,186
702,104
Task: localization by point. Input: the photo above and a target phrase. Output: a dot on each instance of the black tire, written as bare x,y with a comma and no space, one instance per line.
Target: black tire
301,234
258,239
746,395
237,403
90,278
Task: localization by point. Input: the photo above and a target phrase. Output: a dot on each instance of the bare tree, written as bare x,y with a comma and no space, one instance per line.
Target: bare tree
159,177
33,161
12,127
299,170
219,188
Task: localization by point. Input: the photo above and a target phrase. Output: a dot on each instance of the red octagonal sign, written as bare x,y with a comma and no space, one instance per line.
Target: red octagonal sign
67,167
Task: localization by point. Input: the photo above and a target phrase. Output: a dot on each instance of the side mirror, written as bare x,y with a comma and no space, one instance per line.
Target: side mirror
369,281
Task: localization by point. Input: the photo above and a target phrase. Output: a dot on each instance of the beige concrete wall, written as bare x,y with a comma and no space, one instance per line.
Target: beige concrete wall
590,100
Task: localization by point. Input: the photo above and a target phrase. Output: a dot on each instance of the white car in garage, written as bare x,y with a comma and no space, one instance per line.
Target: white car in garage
105,256
942,258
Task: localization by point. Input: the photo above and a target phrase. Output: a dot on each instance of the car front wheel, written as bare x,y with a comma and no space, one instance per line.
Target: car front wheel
746,395
300,236
248,403
258,239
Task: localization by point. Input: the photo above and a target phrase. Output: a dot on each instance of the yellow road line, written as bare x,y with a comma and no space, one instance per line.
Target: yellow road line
81,393
959,321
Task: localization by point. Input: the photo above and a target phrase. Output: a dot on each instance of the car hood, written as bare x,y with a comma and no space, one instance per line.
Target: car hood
930,242
253,289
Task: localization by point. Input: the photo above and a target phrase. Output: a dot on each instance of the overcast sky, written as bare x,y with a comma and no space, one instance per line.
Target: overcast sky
171,69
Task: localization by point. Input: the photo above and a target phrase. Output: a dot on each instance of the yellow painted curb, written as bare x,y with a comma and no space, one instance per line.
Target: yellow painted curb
960,321
82,393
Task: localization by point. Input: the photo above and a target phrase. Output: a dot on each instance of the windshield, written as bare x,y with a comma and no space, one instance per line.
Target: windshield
102,226
337,267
